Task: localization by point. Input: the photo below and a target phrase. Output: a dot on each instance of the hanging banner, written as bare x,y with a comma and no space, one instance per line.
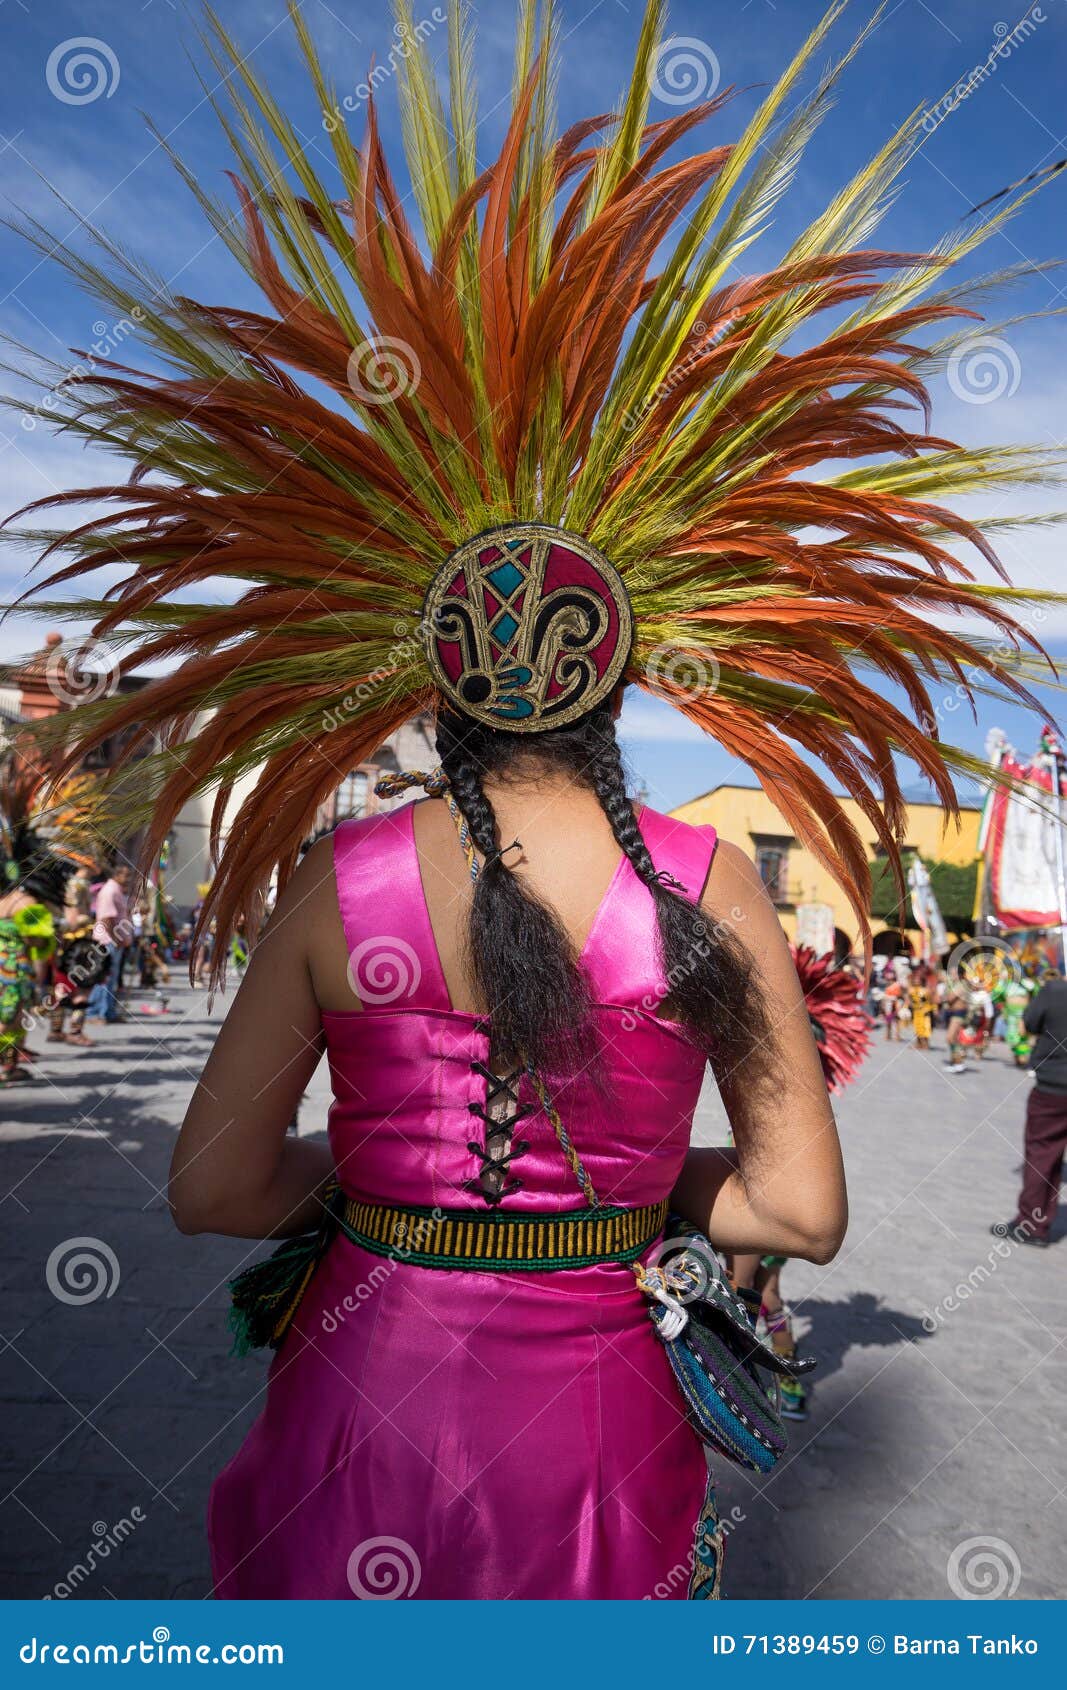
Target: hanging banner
815,927
1019,838
926,909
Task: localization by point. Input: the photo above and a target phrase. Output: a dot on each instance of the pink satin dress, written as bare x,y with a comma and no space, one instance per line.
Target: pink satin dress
440,1433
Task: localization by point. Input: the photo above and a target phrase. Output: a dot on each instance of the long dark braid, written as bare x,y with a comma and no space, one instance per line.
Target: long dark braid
521,958
519,952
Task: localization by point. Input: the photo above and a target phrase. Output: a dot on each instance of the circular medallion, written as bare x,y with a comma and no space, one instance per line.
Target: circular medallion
527,627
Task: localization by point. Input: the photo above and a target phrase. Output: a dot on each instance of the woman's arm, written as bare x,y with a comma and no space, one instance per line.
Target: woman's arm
782,1189
234,1170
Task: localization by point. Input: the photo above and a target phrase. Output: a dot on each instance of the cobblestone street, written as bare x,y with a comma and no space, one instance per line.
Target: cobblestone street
936,1414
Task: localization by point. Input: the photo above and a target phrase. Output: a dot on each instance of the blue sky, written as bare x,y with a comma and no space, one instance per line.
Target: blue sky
101,158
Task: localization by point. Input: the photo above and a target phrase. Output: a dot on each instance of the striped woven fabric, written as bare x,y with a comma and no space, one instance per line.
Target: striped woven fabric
462,1238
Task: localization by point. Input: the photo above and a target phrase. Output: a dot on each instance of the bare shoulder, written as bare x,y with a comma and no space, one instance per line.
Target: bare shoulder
306,902
733,876
735,895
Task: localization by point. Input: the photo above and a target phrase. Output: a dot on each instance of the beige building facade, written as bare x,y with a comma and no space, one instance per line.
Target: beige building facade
794,877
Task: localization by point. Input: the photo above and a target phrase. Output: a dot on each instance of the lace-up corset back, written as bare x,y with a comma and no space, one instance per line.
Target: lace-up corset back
420,1114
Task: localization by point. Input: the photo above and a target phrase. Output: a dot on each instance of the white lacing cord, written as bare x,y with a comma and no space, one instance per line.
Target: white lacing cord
655,1283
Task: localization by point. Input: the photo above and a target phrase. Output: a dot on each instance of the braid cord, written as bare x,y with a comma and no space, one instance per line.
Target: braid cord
435,785
566,1143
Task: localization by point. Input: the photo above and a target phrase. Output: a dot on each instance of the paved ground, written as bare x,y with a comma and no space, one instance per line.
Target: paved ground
937,1419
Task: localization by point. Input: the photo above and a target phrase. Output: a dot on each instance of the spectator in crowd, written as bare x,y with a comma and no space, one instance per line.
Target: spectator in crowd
111,929
1045,1135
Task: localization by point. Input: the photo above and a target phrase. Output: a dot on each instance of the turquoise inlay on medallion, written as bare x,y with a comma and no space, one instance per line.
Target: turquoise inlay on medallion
505,578
504,628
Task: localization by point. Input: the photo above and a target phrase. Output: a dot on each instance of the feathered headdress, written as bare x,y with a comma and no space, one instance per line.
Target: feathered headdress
833,998
27,858
774,505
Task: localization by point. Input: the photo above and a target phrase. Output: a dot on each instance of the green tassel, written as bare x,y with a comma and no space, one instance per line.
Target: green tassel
266,1296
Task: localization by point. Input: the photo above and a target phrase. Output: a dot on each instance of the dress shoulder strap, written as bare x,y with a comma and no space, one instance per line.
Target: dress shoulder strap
392,955
621,956
685,851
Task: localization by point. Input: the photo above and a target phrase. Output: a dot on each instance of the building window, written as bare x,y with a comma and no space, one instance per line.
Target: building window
771,851
352,795
773,865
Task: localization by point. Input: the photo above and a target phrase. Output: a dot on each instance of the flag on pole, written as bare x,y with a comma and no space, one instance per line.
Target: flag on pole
1021,837
926,908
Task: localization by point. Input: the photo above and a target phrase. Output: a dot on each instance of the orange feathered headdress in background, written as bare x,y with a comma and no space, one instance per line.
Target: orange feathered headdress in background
567,338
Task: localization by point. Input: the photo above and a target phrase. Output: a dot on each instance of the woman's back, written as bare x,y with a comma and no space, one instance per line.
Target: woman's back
428,1402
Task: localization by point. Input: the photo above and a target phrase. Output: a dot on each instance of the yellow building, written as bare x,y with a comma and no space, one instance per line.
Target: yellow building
794,877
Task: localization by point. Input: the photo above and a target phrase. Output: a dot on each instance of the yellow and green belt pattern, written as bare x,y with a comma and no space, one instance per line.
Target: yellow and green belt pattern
498,1242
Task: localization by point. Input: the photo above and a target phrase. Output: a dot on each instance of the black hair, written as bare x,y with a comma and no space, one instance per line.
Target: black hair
522,961
41,872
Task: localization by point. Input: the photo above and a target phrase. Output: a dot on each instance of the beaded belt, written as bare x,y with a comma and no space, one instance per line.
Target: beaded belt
267,1295
499,1242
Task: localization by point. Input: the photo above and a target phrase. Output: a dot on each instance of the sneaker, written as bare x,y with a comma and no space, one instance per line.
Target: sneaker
794,1400
1019,1233
792,1396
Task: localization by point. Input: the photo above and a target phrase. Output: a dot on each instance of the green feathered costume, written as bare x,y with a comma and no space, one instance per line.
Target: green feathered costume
27,931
